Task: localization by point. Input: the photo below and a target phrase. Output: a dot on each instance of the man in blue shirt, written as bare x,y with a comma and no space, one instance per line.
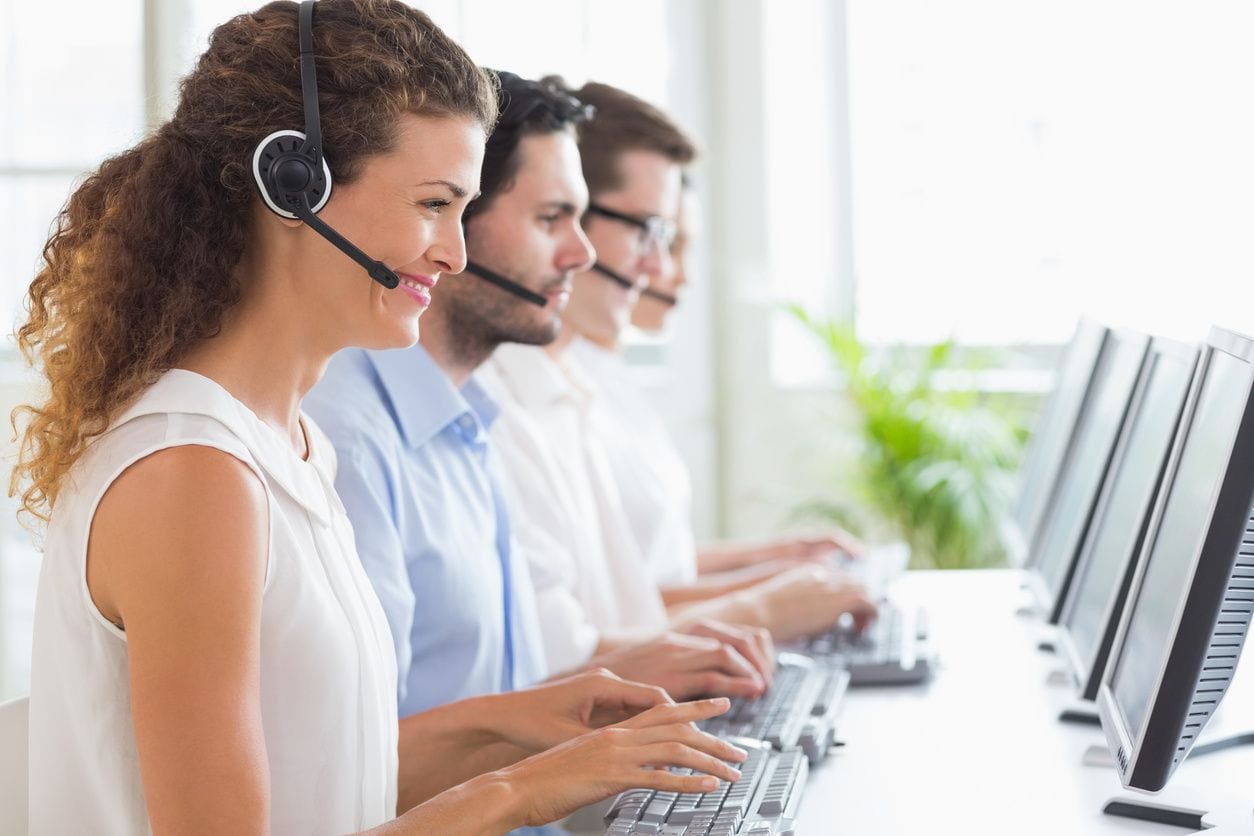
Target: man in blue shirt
417,476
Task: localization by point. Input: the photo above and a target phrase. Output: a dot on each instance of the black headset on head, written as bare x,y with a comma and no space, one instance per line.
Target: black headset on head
291,172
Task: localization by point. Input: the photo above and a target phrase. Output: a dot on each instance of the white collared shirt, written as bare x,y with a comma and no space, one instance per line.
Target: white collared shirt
590,576
328,673
652,477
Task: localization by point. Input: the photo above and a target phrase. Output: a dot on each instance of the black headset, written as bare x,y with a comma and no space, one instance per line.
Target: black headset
508,285
291,173
627,284
668,299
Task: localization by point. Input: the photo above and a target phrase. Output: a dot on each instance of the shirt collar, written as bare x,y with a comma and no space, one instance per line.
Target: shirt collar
486,409
600,364
535,379
424,400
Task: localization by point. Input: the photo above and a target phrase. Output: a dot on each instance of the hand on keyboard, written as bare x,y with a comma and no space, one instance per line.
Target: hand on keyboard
816,549
809,600
686,666
599,764
545,715
763,802
753,643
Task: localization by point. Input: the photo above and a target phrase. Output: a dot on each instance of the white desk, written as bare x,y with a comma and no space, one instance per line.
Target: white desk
979,749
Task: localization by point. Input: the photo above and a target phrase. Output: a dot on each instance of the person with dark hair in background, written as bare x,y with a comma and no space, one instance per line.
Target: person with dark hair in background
418,475
577,406
209,655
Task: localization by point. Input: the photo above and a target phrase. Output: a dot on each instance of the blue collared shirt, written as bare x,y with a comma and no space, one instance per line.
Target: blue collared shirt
421,488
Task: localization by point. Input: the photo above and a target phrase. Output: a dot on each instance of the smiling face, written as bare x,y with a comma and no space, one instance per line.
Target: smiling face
600,309
404,209
529,233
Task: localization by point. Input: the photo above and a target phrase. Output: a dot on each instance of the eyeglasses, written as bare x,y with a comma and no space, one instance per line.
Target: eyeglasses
655,231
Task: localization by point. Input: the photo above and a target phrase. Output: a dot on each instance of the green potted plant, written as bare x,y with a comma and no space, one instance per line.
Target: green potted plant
937,463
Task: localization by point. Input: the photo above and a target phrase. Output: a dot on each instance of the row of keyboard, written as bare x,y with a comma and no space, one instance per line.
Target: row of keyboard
764,802
788,729
893,650
799,709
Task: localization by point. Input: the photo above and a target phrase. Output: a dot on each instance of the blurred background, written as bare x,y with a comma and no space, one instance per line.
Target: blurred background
907,206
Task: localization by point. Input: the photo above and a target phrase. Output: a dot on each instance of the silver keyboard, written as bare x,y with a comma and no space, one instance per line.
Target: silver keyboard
893,650
764,802
799,709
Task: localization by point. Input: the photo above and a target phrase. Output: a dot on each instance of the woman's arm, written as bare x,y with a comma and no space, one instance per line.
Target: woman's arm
548,786
448,745
445,746
177,558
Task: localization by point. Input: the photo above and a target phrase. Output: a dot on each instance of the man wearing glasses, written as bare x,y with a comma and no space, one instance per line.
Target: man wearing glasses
576,413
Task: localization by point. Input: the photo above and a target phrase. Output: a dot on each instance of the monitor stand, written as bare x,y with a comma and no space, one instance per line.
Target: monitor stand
1144,810
1080,717
1029,611
1158,813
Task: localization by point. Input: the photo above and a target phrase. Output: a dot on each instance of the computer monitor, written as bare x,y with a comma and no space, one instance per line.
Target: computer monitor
1052,434
1120,521
1192,597
1060,532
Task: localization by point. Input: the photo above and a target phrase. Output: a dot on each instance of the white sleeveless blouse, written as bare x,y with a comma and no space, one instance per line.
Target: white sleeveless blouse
328,672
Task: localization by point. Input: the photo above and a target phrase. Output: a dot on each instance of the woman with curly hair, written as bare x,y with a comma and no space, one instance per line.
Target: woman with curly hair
209,655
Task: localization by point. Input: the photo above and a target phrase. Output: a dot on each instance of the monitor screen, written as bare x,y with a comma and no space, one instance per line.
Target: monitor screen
1191,601
1179,535
1062,529
1054,427
1115,535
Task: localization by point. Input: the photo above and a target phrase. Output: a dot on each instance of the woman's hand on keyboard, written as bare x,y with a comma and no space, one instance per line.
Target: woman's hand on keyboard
551,785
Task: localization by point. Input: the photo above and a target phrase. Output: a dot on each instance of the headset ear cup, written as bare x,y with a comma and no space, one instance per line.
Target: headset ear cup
281,151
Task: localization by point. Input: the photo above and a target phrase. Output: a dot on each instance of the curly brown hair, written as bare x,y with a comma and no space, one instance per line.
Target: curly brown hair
140,265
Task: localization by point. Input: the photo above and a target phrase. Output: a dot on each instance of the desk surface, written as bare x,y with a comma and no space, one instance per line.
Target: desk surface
979,749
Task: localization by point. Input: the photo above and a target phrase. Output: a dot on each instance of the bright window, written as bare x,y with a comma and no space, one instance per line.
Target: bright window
1016,163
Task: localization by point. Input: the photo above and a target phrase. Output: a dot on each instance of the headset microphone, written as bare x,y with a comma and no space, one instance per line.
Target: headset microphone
508,285
291,172
658,296
617,278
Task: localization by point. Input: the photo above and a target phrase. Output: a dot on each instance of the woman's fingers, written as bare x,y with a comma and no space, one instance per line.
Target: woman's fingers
660,779
684,712
673,753
687,735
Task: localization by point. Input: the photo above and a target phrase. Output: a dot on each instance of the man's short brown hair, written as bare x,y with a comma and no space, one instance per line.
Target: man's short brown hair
621,123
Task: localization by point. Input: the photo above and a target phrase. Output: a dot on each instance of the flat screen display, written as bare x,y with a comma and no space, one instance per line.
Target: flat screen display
1054,428
1131,486
1095,435
1181,530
